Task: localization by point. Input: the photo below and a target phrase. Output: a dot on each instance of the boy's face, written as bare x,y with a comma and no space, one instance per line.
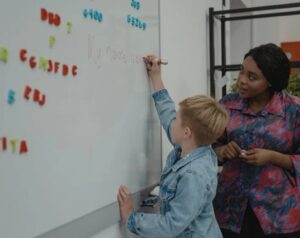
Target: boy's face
178,130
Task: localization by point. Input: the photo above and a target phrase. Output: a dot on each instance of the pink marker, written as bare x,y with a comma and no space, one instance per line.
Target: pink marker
163,62
159,61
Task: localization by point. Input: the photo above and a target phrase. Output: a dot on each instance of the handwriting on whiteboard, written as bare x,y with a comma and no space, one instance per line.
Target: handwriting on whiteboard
102,55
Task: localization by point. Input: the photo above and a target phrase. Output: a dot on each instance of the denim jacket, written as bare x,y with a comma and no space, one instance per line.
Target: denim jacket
187,188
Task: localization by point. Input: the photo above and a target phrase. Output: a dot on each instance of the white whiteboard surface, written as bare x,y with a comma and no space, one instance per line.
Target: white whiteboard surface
96,130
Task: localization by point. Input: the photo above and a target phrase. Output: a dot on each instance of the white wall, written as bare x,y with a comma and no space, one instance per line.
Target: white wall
241,34
289,28
184,43
246,34
247,3
250,33
265,30
276,29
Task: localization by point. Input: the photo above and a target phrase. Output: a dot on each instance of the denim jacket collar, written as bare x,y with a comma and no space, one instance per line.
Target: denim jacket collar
194,154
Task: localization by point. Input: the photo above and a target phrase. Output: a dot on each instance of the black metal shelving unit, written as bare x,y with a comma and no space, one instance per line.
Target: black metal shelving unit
223,17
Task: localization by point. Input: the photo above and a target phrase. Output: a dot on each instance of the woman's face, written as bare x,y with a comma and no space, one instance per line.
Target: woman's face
252,83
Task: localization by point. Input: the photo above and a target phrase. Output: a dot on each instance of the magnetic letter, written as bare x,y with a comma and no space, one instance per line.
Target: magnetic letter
65,70
23,147
56,66
23,53
36,95
3,55
56,20
11,97
27,92
69,27
51,41
50,18
4,145
43,100
50,66
43,62
14,145
32,62
74,70
44,14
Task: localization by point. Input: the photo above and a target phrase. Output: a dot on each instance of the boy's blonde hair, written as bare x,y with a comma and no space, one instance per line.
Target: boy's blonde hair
206,118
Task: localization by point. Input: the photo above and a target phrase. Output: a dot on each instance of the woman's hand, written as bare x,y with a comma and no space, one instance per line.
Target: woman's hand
257,157
125,203
229,151
260,157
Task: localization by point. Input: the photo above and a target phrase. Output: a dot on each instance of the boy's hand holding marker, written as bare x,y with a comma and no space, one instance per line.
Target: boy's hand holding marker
154,71
153,64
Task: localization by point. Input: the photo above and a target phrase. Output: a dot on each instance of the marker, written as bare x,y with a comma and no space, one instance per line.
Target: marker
162,62
159,61
243,152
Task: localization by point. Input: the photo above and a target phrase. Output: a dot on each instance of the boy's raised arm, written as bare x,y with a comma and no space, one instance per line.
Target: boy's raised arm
164,104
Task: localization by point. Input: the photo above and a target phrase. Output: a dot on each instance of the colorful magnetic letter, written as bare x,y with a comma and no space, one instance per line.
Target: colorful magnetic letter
27,92
11,97
3,54
4,143
23,147
51,41
14,145
69,27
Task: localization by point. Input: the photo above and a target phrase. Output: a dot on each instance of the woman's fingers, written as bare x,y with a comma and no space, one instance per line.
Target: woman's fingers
229,154
236,147
232,150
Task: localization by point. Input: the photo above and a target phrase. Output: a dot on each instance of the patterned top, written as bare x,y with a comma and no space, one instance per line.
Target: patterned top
272,192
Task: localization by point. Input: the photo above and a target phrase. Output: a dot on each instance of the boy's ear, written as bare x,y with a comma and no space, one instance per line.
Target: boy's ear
187,132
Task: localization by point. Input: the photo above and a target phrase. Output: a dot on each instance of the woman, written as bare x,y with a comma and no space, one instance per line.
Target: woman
259,187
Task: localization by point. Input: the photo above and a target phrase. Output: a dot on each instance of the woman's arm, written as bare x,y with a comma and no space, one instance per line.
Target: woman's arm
282,160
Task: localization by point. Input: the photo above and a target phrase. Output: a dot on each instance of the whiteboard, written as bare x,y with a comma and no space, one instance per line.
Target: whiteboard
76,114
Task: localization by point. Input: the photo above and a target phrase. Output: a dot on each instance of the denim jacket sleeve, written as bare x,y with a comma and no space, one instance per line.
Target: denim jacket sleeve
166,110
190,199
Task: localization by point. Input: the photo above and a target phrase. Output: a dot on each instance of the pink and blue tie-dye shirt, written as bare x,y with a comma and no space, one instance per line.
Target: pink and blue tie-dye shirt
272,192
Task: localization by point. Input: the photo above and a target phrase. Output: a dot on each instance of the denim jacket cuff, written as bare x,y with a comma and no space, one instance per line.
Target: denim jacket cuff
161,94
131,223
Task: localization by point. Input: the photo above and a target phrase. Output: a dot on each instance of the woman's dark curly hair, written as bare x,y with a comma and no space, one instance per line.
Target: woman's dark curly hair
273,63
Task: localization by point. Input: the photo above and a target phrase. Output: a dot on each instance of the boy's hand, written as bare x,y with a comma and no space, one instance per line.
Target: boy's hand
152,66
125,203
153,69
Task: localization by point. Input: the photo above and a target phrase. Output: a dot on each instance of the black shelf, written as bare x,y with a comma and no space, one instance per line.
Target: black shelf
223,18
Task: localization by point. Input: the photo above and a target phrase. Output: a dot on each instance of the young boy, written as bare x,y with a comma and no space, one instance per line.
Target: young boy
189,180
